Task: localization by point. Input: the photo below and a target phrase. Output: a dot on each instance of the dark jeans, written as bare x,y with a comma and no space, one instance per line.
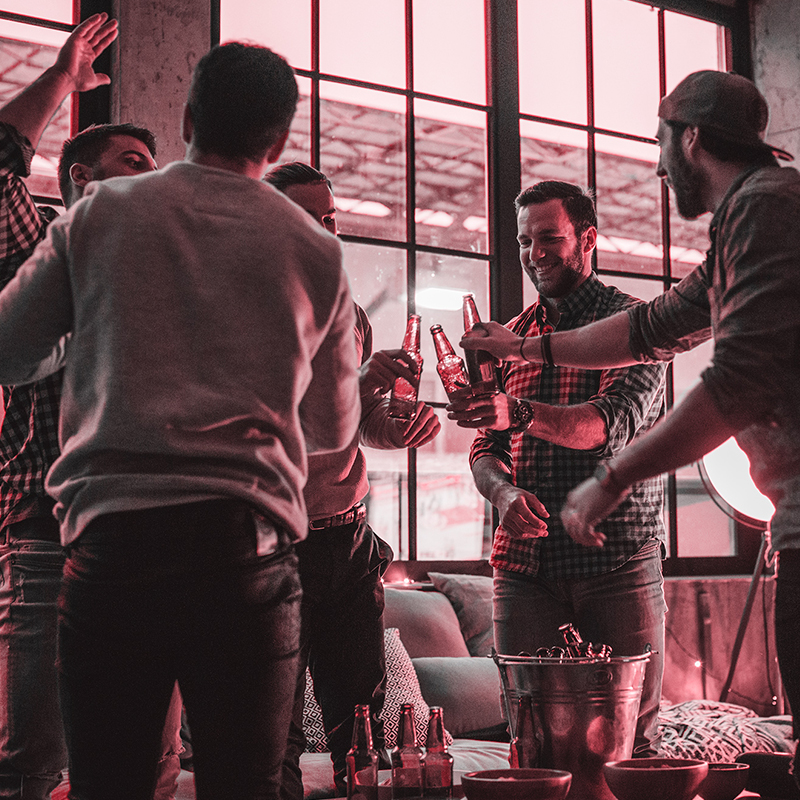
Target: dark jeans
32,748
177,593
787,635
341,640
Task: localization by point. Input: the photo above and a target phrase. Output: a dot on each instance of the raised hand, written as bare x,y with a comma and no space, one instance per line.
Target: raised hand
84,45
383,367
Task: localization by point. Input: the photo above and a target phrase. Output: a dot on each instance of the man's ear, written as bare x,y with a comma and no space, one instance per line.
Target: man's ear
187,126
589,239
277,148
690,140
80,174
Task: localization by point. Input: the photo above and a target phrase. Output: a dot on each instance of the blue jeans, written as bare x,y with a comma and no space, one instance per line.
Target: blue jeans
32,748
177,593
341,641
624,608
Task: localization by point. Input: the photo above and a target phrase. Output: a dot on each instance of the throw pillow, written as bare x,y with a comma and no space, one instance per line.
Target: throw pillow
402,686
471,598
313,727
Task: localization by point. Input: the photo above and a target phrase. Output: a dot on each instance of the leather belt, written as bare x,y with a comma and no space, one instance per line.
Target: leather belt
355,514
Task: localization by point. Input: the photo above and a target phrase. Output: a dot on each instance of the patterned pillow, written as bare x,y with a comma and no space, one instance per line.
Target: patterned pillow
402,686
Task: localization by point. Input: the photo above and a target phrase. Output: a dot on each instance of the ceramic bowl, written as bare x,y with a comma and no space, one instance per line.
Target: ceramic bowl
655,778
516,784
724,781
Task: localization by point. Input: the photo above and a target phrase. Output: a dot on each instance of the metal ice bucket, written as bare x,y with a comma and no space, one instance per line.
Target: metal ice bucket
584,712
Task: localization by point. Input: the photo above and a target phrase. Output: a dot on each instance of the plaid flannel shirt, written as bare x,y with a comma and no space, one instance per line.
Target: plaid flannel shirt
29,436
630,400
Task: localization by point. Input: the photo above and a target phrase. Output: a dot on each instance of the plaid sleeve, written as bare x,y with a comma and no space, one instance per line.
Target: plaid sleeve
491,443
630,400
21,224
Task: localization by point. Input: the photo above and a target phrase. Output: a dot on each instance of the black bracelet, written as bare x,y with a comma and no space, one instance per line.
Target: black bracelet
547,353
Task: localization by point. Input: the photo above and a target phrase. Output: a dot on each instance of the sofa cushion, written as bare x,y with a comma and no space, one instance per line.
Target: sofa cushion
471,598
427,622
467,689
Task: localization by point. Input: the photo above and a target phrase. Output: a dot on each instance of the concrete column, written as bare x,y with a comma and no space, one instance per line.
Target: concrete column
776,68
160,42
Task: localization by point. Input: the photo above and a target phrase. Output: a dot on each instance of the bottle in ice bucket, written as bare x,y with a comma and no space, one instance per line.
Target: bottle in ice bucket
362,760
576,647
403,402
406,757
437,763
480,365
524,750
449,366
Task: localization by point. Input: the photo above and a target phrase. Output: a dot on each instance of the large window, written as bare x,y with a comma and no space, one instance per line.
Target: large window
428,116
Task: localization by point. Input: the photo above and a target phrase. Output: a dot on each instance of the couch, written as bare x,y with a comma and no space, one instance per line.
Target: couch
438,637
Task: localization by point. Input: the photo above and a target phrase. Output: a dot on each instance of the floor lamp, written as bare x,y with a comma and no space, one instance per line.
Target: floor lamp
725,473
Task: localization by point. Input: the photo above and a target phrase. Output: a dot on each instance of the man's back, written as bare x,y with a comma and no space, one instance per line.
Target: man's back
200,351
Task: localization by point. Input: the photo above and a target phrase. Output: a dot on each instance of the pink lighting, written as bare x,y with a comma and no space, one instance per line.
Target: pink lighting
728,470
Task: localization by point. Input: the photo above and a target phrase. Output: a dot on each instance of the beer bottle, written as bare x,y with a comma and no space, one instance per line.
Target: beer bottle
437,763
480,364
403,402
524,750
449,366
406,757
362,760
576,647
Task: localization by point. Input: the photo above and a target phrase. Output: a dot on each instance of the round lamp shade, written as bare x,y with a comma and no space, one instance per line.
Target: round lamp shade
725,473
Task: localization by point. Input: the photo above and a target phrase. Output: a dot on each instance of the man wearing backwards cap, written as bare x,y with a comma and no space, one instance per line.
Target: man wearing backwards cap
746,294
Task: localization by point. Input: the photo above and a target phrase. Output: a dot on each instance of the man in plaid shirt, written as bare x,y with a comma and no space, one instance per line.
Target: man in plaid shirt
32,748
548,430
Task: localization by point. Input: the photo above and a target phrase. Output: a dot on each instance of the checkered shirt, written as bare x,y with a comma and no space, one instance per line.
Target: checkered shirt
630,400
29,436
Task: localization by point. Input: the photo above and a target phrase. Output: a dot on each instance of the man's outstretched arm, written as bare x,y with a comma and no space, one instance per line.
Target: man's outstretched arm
600,344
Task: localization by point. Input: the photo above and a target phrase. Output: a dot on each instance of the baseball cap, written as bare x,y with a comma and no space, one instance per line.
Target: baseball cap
730,105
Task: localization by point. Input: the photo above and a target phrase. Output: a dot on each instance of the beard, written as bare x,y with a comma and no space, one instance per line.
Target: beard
562,278
686,181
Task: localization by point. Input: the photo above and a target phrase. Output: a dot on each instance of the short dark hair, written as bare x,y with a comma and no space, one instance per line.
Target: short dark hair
577,202
242,99
88,146
726,150
295,173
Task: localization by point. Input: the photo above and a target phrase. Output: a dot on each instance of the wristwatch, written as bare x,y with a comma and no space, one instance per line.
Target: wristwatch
605,476
521,416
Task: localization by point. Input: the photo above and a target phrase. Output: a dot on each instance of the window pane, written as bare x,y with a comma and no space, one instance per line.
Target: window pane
363,39
450,32
363,153
25,52
628,206
453,519
688,240
451,176
625,66
56,10
691,44
298,146
268,23
552,43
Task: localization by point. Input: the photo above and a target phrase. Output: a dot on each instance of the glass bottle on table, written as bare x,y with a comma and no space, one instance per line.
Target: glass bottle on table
480,364
449,366
437,763
406,757
403,402
362,760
